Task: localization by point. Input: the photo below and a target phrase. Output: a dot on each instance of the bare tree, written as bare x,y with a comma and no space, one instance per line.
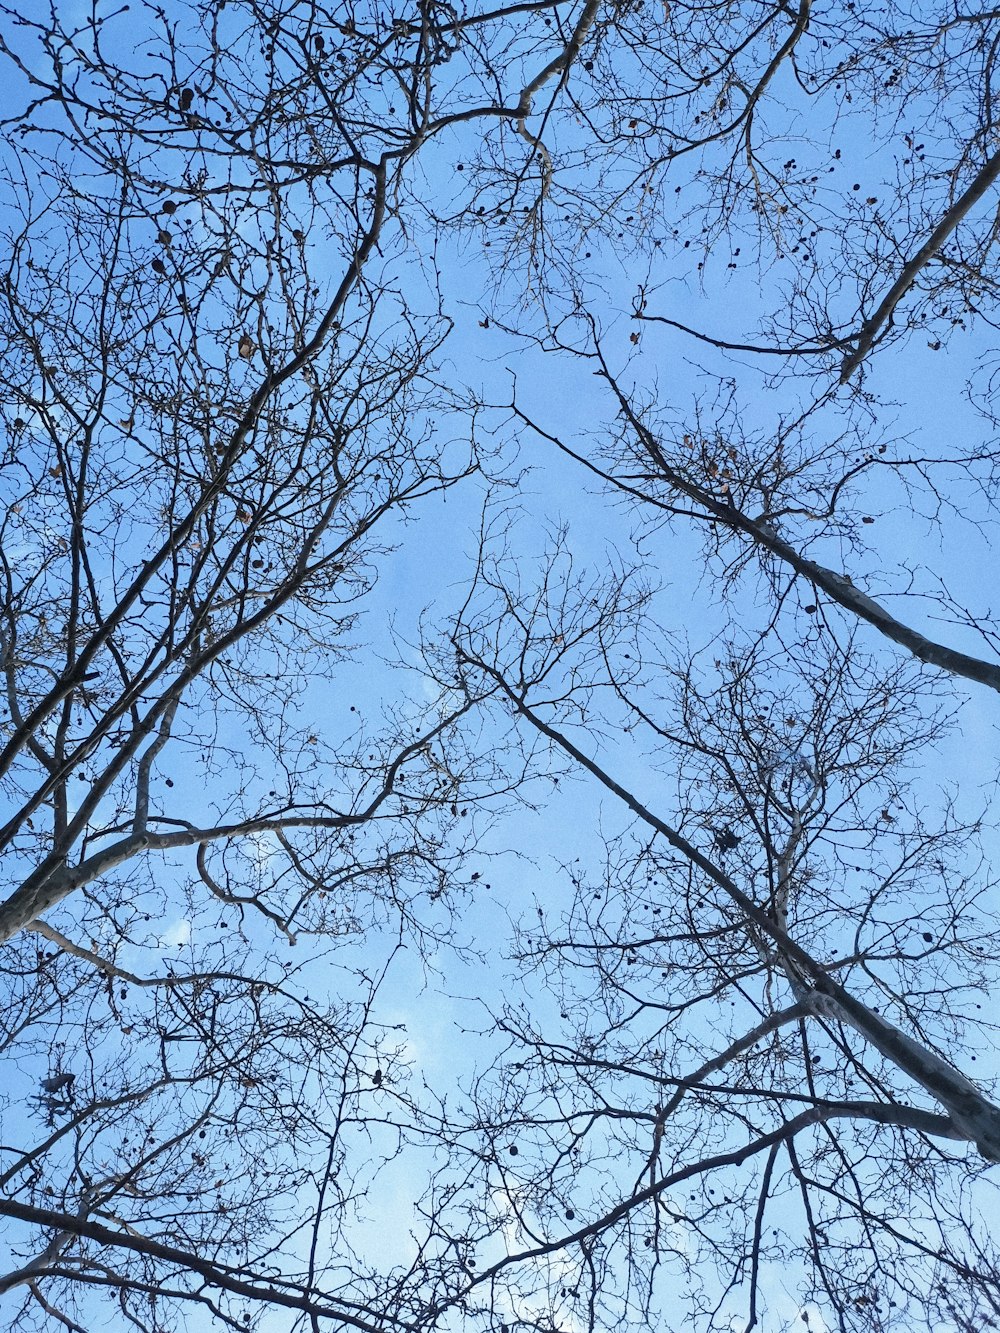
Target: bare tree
237,238
763,996
215,436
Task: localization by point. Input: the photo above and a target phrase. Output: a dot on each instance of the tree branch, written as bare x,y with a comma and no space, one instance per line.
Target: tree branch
976,1118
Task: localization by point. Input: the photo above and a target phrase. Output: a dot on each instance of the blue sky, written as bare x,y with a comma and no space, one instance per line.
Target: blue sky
437,1008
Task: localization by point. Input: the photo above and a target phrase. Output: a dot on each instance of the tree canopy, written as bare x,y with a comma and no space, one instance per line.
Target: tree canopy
499,670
